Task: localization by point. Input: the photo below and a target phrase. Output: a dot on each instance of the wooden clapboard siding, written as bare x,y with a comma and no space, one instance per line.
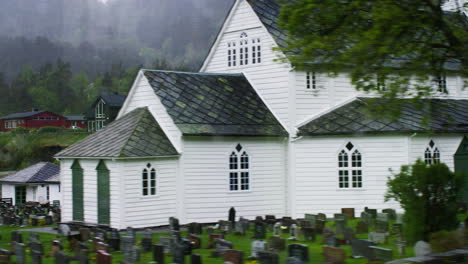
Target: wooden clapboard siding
447,145
142,95
270,78
8,191
316,179
206,178
143,211
66,189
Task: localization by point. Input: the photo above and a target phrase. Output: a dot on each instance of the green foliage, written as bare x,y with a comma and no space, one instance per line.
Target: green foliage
21,130
428,194
444,241
394,40
50,129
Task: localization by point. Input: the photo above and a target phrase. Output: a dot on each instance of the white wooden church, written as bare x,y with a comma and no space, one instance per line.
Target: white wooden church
250,132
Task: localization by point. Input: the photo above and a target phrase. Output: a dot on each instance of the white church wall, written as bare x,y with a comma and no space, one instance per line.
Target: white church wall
316,164
207,197
8,191
270,78
143,211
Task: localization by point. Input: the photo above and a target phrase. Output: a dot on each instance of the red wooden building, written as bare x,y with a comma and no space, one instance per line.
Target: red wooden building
37,119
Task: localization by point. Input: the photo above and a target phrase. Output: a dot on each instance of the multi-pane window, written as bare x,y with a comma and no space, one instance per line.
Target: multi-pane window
348,169
432,154
239,175
248,51
311,81
100,109
149,180
441,83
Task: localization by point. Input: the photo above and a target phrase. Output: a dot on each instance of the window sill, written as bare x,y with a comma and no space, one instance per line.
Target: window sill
234,192
351,189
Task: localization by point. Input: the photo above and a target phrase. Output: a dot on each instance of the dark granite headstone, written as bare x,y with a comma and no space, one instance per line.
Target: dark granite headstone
233,256
267,257
37,251
158,253
147,241
380,254
85,234
360,248
167,243
299,251
381,226
61,257
391,213
309,233
178,254
319,225
260,230
114,239
277,243
20,252
232,216
333,255
174,224
195,259
362,228
195,228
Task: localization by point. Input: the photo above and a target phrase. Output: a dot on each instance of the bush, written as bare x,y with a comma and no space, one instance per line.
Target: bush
444,241
428,194
50,129
21,130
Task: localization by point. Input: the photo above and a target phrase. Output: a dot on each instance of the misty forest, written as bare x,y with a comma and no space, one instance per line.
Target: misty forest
57,55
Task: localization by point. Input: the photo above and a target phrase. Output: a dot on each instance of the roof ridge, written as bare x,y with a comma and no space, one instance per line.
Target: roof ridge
44,167
194,73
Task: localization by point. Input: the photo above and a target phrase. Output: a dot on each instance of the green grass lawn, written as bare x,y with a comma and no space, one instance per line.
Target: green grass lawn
240,243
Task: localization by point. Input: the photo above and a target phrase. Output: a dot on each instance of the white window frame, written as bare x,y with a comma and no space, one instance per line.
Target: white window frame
99,110
239,167
149,182
440,82
311,81
244,51
351,171
432,153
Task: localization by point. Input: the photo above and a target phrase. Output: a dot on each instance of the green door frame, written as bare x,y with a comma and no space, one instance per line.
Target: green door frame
103,193
20,194
77,191
461,166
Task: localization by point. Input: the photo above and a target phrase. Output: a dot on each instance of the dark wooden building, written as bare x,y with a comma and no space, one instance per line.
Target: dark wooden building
104,110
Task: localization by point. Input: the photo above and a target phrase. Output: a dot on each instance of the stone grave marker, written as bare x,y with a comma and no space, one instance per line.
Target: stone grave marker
20,252
61,257
147,241
102,257
319,225
333,255
397,230
378,238
195,228
34,237
37,251
178,254
401,244
233,256
349,212
360,248
114,239
277,243
304,223
348,234
196,241
102,246
257,245
174,224
85,234
366,217
372,212
221,246
322,216
195,259
270,219
232,216
293,232
56,246
5,256
340,217
422,248
340,226
276,229
383,217
212,239
129,250
309,234
158,253
240,228
299,251
260,230
381,254
391,213
310,218
225,226
329,238
64,230
167,243
381,226
267,257
362,228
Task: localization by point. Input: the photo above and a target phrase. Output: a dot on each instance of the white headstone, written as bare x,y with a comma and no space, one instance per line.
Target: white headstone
258,245
422,248
64,230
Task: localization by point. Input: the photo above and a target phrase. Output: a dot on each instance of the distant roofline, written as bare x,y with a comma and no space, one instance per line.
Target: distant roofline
194,73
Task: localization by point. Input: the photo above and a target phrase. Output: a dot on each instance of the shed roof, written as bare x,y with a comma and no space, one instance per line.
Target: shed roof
136,134
211,104
444,116
75,117
42,172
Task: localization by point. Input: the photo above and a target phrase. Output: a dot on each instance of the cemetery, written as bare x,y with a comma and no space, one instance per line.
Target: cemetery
372,237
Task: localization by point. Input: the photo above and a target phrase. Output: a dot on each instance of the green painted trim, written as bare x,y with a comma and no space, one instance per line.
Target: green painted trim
103,193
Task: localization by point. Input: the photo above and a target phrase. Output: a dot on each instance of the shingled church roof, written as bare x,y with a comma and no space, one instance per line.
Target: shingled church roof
443,116
209,104
42,172
136,134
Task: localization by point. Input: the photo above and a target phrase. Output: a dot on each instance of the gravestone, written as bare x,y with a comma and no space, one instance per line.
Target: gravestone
362,228
178,254
221,246
321,216
147,241
56,246
212,239
372,212
34,237
20,252
329,238
102,246
225,226
340,217
158,253
340,225
85,234
233,256
64,230
174,224
102,257
129,250
240,228
293,232
276,229
333,255
167,243
195,228
422,248
397,230
114,239
391,213
267,257
195,240
304,223
360,248
380,254
260,230
270,219
256,246
401,244
349,212
5,256
381,226
378,238
299,251
348,234
277,243
61,257
37,251
319,225
309,234
310,218
383,217
232,216
195,259
366,218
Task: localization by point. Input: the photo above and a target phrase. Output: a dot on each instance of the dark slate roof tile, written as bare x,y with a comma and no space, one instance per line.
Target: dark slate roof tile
127,136
42,172
213,104
22,115
445,116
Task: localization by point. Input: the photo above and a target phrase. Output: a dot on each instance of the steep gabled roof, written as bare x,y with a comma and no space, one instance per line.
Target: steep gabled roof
42,172
136,134
445,116
22,115
268,12
209,104
113,100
